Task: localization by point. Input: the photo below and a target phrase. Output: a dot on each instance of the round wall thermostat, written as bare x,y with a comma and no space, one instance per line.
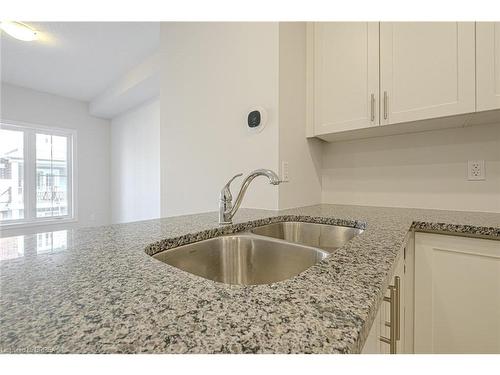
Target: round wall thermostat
256,119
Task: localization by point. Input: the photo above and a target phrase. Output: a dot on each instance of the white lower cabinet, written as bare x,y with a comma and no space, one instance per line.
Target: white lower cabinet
449,300
387,335
457,294
372,343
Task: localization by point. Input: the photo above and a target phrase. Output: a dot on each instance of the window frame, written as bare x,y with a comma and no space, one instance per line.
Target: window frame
29,151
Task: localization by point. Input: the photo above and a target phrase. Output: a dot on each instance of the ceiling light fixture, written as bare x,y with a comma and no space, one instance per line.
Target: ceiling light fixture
18,30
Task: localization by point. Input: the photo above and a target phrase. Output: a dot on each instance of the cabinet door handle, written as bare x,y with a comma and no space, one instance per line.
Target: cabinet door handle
397,286
385,105
372,108
395,318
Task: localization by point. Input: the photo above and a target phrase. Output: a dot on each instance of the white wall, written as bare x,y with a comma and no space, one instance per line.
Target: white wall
93,159
212,74
135,164
425,170
137,86
303,155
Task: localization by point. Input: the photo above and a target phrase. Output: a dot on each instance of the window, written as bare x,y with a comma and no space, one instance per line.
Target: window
36,174
51,175
11,175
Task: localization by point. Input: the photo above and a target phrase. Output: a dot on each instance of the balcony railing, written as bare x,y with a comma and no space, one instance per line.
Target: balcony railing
50,196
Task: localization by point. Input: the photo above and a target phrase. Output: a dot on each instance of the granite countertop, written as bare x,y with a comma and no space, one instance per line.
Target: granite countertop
95,290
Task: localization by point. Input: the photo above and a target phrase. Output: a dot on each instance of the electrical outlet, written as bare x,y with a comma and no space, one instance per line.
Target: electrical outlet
475,170
284,171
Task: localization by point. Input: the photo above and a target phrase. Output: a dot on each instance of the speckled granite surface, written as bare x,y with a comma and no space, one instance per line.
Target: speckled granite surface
95,290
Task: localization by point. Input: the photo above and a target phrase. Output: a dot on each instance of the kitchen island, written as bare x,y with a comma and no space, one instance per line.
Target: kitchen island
100,291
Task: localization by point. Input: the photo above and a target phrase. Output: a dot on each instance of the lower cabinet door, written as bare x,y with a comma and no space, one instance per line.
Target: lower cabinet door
380,340
457,294
373,344
395,319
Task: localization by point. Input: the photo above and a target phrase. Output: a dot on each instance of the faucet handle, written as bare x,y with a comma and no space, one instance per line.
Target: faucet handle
225,193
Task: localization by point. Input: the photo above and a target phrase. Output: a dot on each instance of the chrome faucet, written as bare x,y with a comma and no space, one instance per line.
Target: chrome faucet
226,208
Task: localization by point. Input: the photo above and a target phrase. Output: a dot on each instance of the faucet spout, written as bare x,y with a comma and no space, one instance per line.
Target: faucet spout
272,176
226,208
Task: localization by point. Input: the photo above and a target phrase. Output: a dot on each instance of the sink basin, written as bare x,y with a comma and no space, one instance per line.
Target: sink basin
323,236
243,259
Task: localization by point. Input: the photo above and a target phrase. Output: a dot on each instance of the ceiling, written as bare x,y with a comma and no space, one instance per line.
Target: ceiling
77,59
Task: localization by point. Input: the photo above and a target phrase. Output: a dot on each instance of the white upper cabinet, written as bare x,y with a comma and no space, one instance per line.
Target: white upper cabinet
345,76
427,70
360,75
488,65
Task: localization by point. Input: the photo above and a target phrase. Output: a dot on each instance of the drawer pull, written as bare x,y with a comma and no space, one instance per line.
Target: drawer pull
372,108
386,99
394,322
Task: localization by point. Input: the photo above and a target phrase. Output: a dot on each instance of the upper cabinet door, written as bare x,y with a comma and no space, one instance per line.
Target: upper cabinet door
487,65
346,76
427,70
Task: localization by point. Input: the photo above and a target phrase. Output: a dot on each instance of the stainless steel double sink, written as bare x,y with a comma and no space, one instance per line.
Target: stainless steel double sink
263,255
